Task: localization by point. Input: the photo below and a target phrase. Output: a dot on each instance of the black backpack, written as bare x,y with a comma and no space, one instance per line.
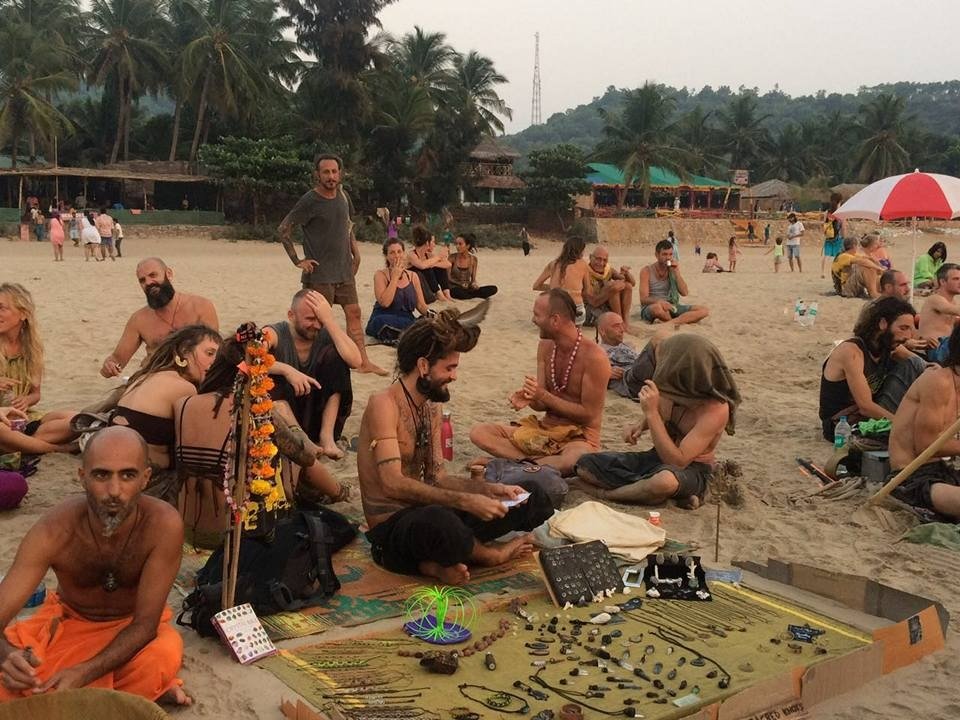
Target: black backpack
292,570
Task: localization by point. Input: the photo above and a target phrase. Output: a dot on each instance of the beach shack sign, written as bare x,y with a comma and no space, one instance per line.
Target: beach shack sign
741,177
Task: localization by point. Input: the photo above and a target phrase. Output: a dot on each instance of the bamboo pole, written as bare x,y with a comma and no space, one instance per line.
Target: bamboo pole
231,562
716,552
901,476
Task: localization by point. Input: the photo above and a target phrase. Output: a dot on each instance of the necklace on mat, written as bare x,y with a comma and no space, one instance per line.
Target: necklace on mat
566,373
110,582
499,700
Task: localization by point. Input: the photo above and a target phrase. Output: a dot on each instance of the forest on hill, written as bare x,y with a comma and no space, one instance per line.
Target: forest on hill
828,137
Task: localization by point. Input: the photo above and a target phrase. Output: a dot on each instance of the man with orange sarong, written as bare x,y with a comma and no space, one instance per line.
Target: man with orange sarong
116,554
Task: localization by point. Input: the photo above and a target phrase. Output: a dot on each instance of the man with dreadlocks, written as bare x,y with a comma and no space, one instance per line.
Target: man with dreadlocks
423,521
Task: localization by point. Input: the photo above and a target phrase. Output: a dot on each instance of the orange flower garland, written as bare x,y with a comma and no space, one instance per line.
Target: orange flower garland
264,490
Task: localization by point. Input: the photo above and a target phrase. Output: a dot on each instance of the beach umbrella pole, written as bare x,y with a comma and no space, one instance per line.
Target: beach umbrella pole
902,476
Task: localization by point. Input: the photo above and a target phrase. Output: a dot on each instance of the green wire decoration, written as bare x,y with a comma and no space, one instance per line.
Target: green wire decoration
440,614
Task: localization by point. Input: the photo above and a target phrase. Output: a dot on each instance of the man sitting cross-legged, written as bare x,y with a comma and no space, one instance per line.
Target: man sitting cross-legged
610,290
931,405
661,286
868,375
686,407
423,521
571,384
116,554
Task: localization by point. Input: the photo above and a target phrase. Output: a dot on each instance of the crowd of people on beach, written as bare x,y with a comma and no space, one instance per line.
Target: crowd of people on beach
155,451
99,233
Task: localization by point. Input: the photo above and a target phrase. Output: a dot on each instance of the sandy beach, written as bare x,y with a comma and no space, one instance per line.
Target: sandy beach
84,305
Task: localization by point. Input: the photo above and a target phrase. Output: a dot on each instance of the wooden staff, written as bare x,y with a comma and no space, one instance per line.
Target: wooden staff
716,552
901,476
231,563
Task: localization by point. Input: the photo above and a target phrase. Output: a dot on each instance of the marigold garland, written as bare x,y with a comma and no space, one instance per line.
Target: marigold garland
264,491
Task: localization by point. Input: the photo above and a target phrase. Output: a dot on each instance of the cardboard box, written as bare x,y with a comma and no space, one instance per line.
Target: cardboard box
905,628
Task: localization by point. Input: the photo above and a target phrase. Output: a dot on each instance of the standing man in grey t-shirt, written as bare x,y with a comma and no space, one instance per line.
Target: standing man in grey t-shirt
332,256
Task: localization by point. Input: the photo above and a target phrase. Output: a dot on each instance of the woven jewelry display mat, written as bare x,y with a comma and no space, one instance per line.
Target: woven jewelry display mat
664,659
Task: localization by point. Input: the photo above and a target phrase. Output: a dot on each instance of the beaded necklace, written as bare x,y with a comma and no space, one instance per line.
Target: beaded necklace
566,374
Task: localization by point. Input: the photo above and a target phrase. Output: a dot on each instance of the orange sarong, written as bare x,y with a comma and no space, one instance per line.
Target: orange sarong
60,638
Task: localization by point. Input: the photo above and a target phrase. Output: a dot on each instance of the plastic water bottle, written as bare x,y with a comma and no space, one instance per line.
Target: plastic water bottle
797,309
812,314
841,433
446,436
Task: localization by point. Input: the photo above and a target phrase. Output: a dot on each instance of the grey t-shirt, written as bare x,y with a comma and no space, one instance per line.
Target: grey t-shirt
326,236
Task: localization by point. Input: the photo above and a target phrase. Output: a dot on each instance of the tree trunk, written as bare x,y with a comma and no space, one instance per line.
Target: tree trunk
176,130
256,208
33,146
126,124
115,150
201,114
13,151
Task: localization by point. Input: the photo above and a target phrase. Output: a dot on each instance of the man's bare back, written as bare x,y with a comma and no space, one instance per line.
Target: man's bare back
937,317
931,404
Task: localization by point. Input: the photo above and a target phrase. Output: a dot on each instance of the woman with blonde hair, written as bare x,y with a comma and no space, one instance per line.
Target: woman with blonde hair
21,368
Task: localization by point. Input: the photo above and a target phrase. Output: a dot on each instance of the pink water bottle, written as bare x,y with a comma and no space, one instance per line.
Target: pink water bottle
446,436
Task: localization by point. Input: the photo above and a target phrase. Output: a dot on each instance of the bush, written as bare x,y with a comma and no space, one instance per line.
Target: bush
245,231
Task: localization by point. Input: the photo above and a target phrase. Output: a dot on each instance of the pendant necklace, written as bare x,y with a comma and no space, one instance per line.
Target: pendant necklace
566,374
110,582
173,317
422,440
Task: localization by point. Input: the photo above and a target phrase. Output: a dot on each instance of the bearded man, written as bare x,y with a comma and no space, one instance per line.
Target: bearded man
868,375
422,520
167,310
115,553
321,353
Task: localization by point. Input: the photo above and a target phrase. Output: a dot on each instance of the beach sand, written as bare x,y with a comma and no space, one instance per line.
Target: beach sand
83,308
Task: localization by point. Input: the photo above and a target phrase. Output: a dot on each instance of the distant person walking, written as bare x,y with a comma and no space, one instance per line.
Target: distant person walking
795,231
832,233
331,255
117,236
104,225
56,236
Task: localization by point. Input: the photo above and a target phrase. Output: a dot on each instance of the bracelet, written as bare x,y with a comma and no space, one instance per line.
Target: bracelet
499,700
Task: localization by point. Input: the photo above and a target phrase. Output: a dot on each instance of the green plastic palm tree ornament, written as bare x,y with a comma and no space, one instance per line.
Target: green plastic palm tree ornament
440,615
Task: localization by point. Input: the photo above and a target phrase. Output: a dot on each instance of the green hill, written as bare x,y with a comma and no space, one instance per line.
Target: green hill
935,108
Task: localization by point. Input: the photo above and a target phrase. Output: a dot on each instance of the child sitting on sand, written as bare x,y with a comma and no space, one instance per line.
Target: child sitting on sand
712,264
777,251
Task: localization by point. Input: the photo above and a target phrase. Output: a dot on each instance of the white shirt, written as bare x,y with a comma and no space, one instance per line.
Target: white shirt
794,231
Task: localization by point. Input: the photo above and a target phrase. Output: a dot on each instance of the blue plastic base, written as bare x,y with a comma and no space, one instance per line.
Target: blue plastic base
425,628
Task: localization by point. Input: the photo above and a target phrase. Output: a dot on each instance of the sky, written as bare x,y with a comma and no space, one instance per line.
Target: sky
589,45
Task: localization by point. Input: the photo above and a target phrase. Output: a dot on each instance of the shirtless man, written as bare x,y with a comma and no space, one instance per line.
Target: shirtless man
422,520
571,384
939,313
654,288
894,283
167,310
931,405
686,407
116,554
609,290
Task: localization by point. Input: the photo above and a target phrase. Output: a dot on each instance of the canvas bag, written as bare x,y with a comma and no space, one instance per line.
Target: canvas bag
290,571
522,472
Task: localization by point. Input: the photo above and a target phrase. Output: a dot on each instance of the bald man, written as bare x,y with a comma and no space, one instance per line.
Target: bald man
166,310
115,553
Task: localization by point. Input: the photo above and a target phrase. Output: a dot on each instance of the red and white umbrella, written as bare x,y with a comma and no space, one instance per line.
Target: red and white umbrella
915,194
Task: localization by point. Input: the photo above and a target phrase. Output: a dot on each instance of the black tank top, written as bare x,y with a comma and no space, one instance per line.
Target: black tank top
835,395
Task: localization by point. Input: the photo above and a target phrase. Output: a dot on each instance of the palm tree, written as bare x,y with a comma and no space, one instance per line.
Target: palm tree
425,59
24,105
642,137
180,33
120,33
742,135
788,155
883,124
700,140
474,91
228,60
